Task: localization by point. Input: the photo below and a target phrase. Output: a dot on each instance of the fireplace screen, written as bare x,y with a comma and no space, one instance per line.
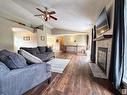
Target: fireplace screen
102,58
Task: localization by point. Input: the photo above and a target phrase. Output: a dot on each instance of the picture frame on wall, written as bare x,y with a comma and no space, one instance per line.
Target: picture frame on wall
42,38
26,38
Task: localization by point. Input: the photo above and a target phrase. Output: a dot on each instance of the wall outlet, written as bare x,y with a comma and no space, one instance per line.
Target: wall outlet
124,91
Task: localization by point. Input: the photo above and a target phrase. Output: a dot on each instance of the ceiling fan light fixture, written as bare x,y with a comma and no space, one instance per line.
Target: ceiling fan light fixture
46,14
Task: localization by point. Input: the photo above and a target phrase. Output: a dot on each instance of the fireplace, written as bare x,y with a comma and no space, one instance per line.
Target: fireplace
102,58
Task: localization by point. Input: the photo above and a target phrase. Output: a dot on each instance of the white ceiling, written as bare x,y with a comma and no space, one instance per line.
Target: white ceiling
75,15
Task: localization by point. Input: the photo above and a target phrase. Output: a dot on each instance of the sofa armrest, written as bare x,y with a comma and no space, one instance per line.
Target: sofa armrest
48,67
3,70
44,66
18,81
27,68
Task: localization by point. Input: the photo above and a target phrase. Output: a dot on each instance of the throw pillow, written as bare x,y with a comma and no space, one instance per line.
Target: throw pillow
12,60
31,58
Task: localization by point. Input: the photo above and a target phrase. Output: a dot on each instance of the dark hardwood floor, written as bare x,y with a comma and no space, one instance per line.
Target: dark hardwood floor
76,80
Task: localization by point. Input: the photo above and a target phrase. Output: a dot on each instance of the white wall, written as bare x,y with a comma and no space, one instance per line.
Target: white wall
40,34
13,40
20,42
69,37
44,34
35,38
51,40
80,41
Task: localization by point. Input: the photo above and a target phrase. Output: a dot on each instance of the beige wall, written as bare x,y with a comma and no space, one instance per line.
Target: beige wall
56,31
90,40
80,40
6,34
68,40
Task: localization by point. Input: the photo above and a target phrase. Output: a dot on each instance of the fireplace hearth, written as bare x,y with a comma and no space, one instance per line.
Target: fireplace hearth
102,58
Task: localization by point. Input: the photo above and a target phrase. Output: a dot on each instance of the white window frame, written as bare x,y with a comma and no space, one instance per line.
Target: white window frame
125,57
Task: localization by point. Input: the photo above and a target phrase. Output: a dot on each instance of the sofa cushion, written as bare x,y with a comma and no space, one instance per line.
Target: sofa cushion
3,69
31,58
44,57
50,54
12,60
49,49
33,51
42,49
36,50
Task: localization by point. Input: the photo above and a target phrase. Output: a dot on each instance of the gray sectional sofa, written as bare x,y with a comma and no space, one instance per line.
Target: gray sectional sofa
43,52
17,77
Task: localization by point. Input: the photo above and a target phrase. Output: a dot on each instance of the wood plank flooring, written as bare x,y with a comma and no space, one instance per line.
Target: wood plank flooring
76,80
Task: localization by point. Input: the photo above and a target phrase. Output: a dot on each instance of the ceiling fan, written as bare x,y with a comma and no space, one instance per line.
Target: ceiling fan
46,14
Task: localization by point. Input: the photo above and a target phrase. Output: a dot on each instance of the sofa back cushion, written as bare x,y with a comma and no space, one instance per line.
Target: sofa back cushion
36,50
33,51
42,49
29,57
3,69
12,60
49,49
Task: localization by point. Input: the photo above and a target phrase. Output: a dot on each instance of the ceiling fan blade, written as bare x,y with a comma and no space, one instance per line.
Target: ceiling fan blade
53,17
52,12
39,15
46,8
40,10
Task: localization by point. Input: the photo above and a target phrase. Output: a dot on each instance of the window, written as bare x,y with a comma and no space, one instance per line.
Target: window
125,56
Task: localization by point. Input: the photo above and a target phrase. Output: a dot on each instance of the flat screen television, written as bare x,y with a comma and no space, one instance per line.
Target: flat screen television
102,24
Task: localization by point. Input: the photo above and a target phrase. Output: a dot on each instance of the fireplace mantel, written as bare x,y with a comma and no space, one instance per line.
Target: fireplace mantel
103,37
